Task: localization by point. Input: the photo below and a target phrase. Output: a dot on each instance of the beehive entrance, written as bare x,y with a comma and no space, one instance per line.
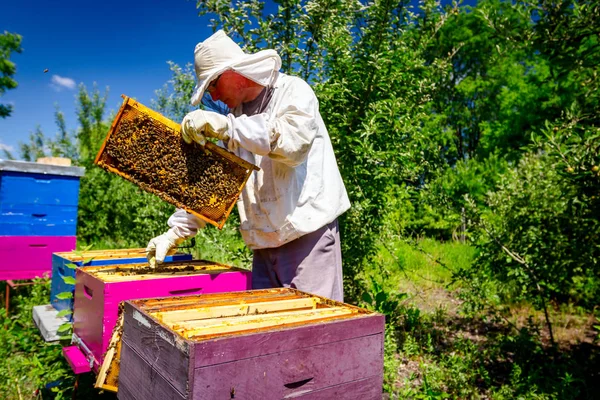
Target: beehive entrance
146,148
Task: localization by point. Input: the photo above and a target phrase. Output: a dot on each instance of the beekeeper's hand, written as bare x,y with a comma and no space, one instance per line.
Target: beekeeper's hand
198,124
160,246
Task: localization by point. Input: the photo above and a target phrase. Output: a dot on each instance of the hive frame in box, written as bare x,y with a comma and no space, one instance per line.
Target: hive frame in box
91,258
209,147
268,344
98,295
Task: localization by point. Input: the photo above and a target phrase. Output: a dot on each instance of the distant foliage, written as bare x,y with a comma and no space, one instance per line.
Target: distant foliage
9,43
113,213
369,72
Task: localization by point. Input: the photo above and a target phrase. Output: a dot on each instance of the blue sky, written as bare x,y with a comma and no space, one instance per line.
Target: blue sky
123,45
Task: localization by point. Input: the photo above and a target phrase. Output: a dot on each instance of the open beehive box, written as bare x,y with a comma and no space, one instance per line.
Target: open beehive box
146,148
270,344
100,289
64,263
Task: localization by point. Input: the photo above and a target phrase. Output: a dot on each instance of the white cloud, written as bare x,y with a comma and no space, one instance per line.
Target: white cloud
6,147
59,83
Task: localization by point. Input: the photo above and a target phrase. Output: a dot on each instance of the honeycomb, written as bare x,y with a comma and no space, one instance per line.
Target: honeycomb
146,148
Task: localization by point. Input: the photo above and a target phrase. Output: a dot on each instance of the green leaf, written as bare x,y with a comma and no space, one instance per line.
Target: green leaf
69,280
64,296
381,297
62,313
64,327
71,265
367,298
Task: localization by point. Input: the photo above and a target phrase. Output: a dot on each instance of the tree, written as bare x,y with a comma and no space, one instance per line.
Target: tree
9,43
374,86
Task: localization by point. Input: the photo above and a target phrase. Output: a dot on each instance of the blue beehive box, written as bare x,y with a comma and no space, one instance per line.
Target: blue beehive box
38,199
38,216
92,258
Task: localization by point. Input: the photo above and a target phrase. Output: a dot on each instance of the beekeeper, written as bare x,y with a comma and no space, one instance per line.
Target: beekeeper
289,208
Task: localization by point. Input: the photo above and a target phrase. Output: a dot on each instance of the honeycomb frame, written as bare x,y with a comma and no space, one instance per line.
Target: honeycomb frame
206,181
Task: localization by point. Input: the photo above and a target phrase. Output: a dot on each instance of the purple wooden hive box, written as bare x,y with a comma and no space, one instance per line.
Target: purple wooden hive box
260,344
99,290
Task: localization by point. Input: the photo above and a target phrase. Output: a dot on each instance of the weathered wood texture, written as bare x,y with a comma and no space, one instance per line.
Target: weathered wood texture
139,381
335,357
156,344
283,374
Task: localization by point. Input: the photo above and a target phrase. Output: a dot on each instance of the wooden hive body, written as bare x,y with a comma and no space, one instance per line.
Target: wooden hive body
60,270
261,344
38,216
100,290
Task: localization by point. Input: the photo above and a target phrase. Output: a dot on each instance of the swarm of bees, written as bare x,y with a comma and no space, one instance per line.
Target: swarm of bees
155,157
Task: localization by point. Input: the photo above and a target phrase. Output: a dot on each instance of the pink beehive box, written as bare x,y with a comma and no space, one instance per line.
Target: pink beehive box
38,251
99,290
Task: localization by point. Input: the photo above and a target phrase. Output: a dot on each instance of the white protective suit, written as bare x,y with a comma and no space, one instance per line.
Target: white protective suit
298,188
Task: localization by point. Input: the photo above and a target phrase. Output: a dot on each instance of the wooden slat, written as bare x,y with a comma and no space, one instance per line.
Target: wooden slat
197,264
293,372
217,349
370,388
108,375
215,299
112,128
237,324
101,254
168,355
236,310
142,381
117,277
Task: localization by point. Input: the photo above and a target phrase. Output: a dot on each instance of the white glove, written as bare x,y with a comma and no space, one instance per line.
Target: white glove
160,246
198,124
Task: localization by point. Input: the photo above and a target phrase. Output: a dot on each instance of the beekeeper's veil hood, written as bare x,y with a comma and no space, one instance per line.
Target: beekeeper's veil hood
219,53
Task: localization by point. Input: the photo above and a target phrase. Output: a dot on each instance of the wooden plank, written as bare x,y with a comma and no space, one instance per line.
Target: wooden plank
89,314
127,393
108,375
112,127
297,371
213,326
214,299
168,267
231,348
47,320
77,256
175,316
157,346
116,277
139,381
76,359
370,388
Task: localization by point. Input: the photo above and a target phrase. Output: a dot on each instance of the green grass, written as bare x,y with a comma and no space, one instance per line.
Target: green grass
440,352
432,350
422,269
